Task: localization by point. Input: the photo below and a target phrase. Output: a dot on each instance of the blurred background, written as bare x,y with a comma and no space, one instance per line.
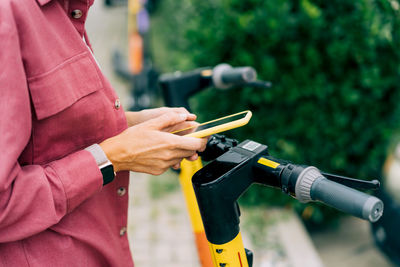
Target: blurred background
334,104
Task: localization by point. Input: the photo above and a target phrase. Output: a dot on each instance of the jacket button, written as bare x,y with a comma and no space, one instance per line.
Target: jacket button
117,104
121,191
122,231
76,14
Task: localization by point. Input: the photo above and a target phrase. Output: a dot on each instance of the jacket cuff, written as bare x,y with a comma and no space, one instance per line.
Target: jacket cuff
80,176
98,154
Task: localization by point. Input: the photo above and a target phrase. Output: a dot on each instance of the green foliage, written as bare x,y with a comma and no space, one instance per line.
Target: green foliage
335,67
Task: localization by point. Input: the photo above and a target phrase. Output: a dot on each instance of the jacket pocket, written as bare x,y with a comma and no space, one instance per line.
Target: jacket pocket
59,88
70,106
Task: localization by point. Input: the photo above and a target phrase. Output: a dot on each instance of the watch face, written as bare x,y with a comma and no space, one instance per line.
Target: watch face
108,173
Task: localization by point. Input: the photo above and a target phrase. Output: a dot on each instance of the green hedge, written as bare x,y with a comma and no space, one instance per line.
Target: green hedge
335,66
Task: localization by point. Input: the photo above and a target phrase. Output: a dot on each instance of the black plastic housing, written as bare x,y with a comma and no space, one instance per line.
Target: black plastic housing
218,186
178,87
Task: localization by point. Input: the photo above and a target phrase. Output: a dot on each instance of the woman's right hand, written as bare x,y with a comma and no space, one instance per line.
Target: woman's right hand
146,147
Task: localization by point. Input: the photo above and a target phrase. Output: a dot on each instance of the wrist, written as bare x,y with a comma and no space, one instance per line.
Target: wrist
109,150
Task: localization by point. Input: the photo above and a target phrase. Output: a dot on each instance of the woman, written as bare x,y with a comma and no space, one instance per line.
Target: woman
63,134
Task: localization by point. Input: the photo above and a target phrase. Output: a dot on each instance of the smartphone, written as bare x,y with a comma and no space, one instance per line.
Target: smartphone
218,125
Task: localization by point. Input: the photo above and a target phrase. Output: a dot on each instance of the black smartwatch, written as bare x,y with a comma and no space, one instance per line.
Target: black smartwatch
105,165
107,170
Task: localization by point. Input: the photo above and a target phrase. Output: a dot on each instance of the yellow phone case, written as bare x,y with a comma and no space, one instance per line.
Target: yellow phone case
219,128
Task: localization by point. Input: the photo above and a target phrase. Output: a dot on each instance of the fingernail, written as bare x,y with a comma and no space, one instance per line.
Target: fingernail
183,116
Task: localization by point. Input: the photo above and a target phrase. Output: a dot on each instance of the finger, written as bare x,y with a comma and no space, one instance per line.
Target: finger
189,143
168,119
179,110
180,154
173,163
176,166
204,144
193,157
182,128
191,117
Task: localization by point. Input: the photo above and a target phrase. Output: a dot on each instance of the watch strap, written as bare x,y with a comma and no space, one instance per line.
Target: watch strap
105,166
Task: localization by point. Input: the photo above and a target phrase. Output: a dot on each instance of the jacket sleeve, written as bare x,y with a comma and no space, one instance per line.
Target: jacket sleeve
32,197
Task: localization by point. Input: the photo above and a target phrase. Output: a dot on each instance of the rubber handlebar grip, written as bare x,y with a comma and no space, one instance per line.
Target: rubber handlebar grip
346,199
225,76
238,75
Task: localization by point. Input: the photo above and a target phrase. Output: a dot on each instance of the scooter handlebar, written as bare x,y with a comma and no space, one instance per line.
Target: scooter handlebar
312,185
347,199
225,76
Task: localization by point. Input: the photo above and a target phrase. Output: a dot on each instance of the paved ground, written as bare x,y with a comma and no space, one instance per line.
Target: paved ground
159,229
351,245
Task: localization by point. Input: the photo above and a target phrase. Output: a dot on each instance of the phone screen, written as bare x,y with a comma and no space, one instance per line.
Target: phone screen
213,123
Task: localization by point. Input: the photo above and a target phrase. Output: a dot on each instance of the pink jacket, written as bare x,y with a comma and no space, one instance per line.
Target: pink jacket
55,102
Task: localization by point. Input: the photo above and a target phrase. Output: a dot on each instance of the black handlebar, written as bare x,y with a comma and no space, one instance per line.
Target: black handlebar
311,185
347,199
178,87
225,76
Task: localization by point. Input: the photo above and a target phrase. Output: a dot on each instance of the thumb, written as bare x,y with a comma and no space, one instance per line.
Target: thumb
168,119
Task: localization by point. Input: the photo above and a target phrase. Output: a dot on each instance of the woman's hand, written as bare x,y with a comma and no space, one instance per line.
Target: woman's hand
147,147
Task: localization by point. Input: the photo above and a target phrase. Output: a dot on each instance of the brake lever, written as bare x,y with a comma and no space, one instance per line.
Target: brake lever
352,182
254,84
259,84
